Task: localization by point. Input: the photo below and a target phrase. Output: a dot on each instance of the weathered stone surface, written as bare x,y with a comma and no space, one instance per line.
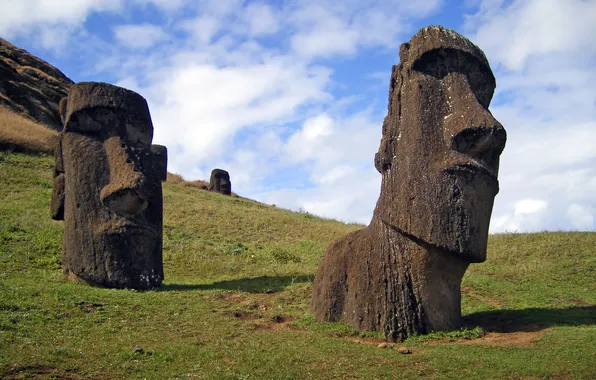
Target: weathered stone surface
220,182
108,178
30,86
439,158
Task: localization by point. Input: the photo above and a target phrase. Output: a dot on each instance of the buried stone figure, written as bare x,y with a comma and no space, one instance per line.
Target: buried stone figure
438,157
220,182
107,188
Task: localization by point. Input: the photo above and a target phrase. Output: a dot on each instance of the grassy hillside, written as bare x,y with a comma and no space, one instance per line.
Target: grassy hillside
235,300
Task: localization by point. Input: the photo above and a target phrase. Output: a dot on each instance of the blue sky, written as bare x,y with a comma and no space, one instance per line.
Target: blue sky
289,96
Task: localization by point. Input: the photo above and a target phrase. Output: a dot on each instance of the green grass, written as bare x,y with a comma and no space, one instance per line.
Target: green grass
234,304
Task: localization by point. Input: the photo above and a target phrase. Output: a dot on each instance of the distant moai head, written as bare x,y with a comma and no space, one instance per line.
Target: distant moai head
439,154
220,182
107,188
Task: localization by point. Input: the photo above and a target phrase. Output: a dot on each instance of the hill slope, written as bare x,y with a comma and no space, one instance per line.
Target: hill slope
30,86
30,90
235,300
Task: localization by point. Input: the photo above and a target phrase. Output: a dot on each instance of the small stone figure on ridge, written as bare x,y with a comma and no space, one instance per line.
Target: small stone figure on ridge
220,182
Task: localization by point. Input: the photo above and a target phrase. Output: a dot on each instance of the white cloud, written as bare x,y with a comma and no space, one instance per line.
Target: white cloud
261,19
200,107
339,153
250,86
512,35
28,16
326,29
324,34
582,218
165,5
308,140
422,8
529,206
203,28
528,214
139,36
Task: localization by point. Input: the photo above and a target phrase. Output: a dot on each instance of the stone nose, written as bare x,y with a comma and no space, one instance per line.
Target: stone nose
470,128
125,194
124,201
481,140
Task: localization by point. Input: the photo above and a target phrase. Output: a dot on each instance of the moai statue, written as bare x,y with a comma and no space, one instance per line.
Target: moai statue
107,188
220,182
439,158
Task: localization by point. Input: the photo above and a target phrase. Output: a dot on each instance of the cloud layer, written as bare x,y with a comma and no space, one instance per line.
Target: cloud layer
286,96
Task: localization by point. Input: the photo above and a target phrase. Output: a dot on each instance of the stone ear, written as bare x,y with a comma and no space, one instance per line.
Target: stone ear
57,201
160,161
384,157
62,109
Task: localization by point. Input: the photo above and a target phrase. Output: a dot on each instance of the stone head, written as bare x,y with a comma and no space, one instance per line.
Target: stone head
220,182
439,154
112,187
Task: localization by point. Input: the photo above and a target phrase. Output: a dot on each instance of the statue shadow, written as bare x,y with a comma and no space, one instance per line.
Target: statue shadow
531,319
262,284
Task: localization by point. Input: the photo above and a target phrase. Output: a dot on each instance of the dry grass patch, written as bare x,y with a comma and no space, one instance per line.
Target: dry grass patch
177,178
18,133
203,185
174,178
38,74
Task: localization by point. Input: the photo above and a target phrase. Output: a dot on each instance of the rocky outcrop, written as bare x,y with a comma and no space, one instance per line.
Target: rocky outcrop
439,158
30,86
107,188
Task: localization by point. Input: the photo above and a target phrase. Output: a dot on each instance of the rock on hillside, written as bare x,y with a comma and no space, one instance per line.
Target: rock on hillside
30,86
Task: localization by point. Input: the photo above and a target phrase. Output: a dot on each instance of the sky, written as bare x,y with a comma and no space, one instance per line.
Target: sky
289,96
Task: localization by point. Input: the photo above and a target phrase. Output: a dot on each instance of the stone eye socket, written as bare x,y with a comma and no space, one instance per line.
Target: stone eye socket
438,63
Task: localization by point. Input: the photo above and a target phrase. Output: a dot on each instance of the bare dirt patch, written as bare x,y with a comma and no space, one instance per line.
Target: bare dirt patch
512,339
235,297
276,323
258,312
242,315
490,301
370,341
509,339
44,372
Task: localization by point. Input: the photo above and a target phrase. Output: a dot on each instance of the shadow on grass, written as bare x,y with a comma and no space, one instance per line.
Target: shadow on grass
263,284
531,319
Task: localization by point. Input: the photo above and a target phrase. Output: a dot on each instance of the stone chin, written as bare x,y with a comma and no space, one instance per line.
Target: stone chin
467,209
131,245
457,202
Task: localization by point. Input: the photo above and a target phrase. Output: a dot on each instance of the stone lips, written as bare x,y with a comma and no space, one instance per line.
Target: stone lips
438,157
112,195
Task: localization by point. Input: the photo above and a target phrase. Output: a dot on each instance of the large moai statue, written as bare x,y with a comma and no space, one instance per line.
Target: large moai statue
439,158
220,182
107,188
